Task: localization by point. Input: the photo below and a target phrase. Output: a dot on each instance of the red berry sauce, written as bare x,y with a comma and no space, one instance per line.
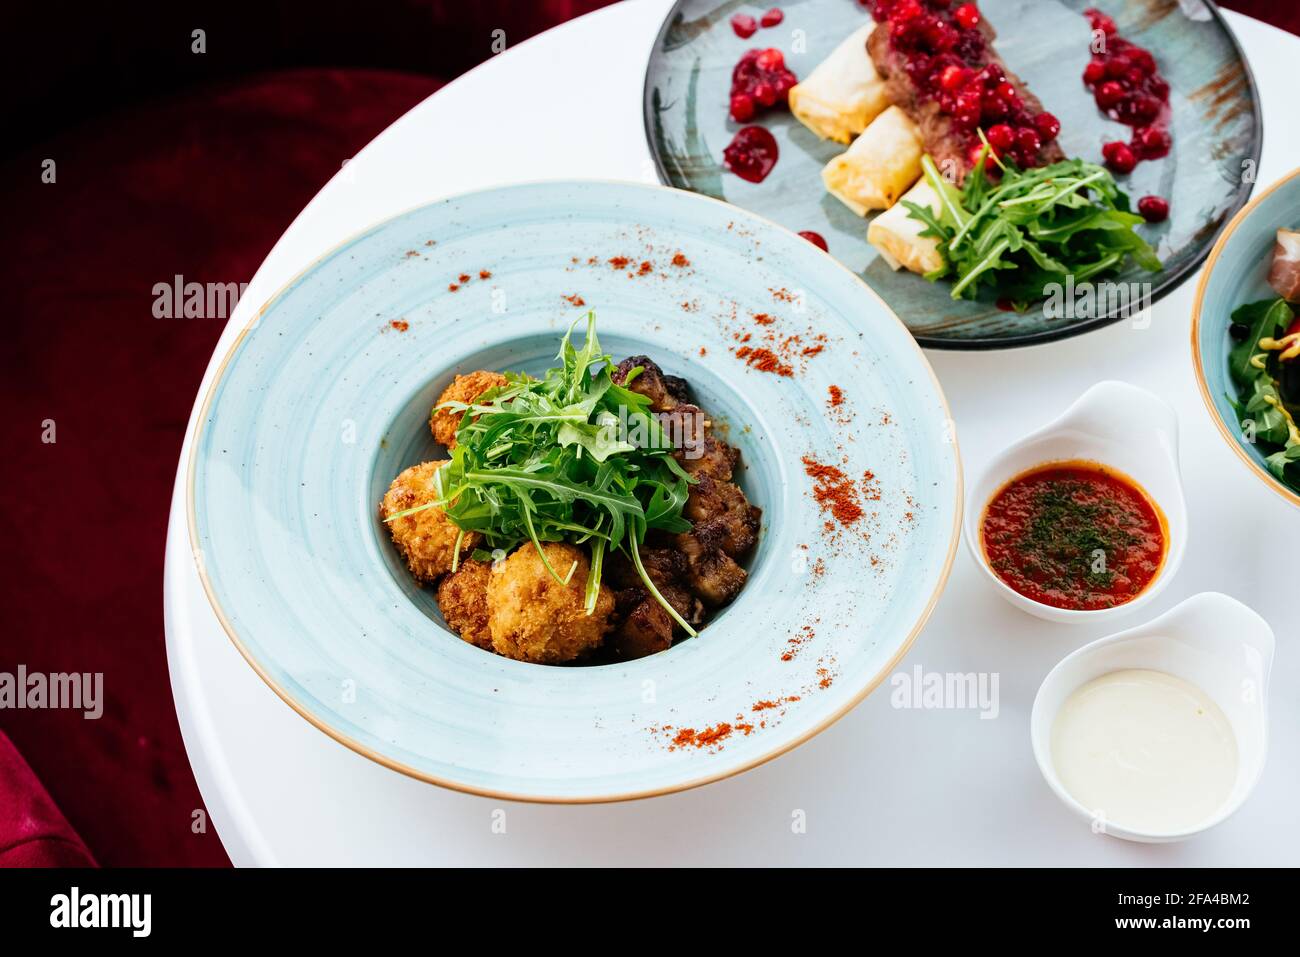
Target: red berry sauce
816,239
1128,88
744,25
1154,209
760,80
948,60
751,154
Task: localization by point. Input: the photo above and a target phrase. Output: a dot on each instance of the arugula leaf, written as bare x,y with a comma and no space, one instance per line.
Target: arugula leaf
1030,228
1265,318
542,460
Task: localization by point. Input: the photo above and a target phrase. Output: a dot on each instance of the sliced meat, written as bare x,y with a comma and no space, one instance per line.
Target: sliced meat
721,511
713,576
711,457
1284,273
685,426
698,450
649,382
678,388
665,566
942,137
646,627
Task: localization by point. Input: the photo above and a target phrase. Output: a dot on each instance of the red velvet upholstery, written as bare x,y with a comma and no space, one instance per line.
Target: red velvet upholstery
200,185
32,831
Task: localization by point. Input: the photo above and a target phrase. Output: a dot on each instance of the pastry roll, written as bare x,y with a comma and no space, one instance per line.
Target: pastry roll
898,236
880,165
843,94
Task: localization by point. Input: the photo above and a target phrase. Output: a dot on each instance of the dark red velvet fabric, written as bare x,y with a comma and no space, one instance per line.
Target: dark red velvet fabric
32,831
201,185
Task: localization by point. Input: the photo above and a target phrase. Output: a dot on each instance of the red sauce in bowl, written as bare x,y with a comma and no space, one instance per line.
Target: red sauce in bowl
1074,535
751,154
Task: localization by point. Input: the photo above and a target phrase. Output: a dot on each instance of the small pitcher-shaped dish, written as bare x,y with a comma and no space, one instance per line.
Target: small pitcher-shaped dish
1114,424
1211,641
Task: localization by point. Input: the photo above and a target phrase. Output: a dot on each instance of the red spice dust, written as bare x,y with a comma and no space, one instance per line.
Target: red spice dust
806,633
703,739
768,705
834,491
463,277
773,348
870,488
764,360
575,300
703,351
401,325
836,397
619,262
452,287
484,274
680,261
645,267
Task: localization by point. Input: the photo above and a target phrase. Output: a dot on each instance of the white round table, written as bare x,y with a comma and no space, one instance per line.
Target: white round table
883,785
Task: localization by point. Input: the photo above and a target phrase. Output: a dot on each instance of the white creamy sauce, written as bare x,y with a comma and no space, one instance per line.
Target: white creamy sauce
1145,750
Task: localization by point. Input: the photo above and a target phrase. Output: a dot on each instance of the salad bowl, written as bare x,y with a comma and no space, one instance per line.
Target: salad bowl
1236,273
327,395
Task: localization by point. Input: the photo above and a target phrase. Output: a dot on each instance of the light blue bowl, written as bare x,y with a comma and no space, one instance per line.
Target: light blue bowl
323,402
1236,272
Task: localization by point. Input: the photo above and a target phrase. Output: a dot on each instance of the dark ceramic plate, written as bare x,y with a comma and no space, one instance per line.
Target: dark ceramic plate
1217,132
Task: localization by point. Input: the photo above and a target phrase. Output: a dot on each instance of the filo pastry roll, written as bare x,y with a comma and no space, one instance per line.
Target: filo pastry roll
880,165
843,94
898,236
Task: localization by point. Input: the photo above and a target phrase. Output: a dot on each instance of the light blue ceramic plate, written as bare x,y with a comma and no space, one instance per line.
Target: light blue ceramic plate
323,401
1237,273
1217,134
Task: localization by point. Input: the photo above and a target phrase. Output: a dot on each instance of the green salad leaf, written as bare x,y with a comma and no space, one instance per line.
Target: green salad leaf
1259,402
570,457
1030,228
1267,318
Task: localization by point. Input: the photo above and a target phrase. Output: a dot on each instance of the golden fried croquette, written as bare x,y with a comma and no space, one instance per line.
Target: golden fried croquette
465,388
426,539
534,618
462,598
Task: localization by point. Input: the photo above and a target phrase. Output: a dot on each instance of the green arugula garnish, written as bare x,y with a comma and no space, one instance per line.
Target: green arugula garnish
1257,374
1031,228
570,457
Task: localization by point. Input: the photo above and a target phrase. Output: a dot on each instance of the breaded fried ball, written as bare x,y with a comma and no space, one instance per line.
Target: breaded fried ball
426,539
534,618
462,598
465,388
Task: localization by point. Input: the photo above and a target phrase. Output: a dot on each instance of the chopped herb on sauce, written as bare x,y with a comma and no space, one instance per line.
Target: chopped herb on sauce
1074,535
